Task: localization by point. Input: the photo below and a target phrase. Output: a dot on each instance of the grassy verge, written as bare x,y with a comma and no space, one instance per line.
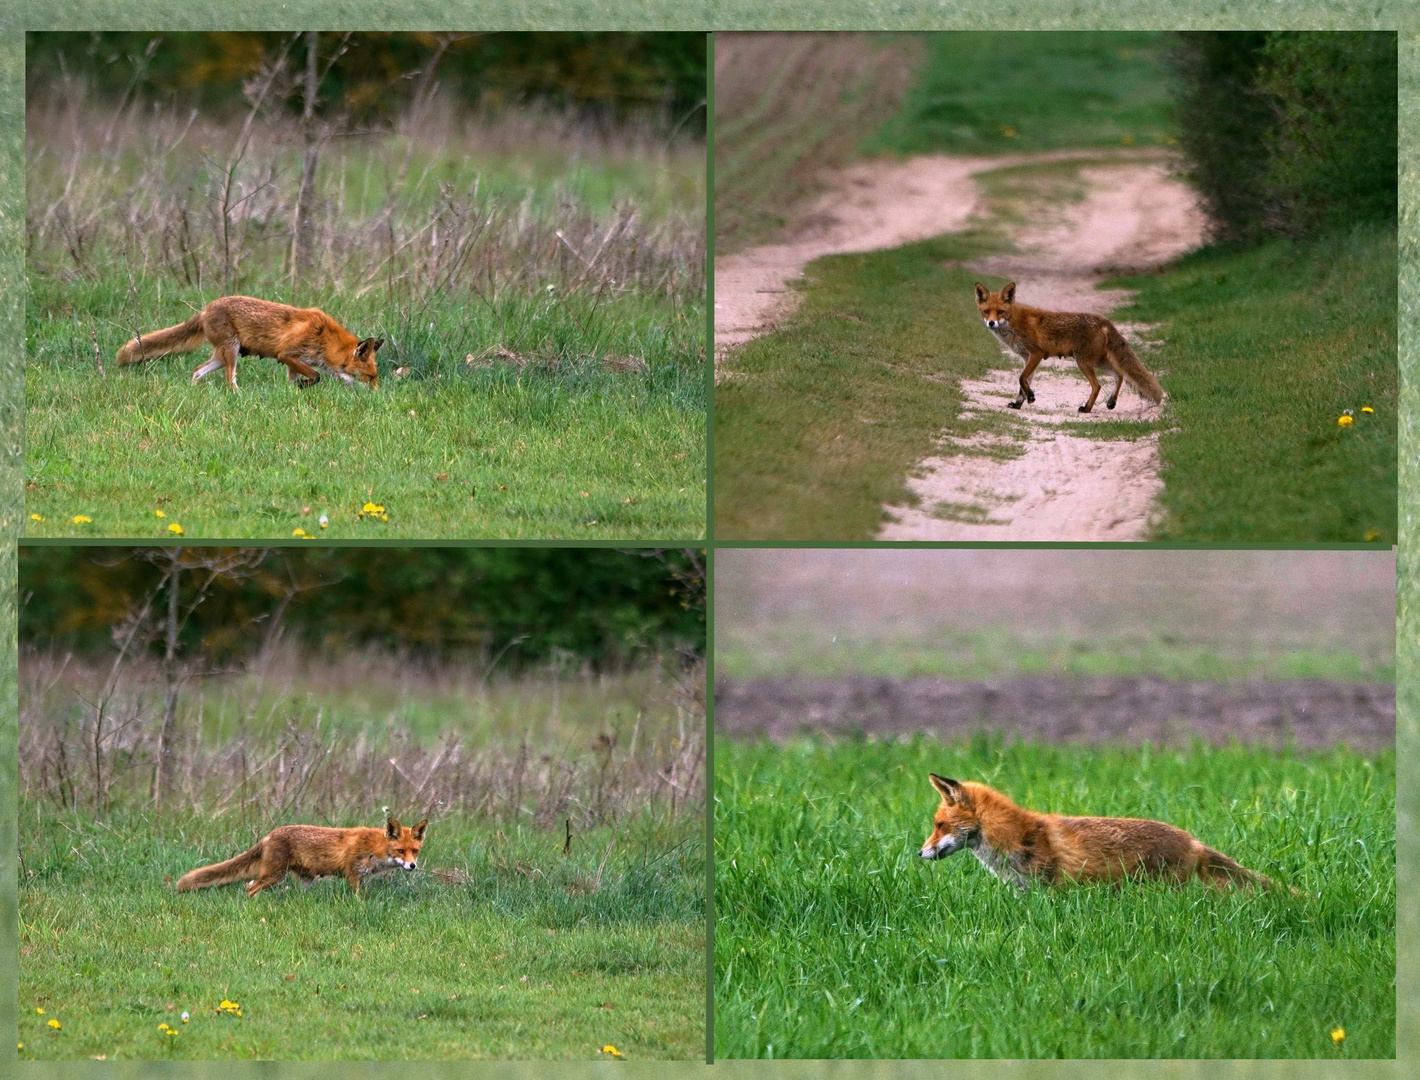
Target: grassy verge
788,107
1265,351
512,421
834,939
995,92
786,649
820,421
501,947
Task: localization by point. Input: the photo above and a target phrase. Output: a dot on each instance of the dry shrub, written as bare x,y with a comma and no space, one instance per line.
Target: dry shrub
298,740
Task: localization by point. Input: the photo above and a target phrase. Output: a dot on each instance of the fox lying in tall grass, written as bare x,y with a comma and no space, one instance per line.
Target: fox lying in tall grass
1023,847
301,338
312,851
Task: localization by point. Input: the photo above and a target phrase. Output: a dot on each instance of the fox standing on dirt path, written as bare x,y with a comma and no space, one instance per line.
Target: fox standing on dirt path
1034,334
1023,847
301,338
312,851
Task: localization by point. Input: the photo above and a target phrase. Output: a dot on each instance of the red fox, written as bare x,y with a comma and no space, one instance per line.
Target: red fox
1022,847
244,326
1034,334
312,851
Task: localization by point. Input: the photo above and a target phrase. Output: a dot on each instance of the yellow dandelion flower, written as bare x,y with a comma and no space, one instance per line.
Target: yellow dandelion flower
613,1051
172,1031
372,508
162,1027
1372,534
175,529
21,1046
1338,1035
1367,409
159,513
39,1011
300,532
36,517
82,519
1344,421
55,1024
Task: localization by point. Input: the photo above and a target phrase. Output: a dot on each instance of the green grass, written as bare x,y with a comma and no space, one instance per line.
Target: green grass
834,939
810,649
561,447
993,92
819,422
1264,350
536,955
788,110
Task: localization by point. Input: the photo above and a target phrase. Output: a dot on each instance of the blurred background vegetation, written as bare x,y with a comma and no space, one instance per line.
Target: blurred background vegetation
1289,132
374,76
596,607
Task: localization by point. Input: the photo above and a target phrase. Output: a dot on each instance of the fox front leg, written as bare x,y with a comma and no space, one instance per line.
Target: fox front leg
1027,394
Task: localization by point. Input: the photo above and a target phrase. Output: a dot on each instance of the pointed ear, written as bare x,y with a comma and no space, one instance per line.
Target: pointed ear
418,830
376,346
392,829
949,790
1008,294
980,293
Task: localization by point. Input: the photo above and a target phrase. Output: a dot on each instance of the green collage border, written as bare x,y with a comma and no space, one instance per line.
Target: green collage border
17,16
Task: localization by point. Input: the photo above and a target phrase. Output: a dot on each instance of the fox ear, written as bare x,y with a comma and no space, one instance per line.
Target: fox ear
418,830
980,293
375,345
947,789
392,829
1008,294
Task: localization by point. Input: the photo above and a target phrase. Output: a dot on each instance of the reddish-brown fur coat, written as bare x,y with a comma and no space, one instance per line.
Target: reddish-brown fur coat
1033,334
312,851
1024,847
303,339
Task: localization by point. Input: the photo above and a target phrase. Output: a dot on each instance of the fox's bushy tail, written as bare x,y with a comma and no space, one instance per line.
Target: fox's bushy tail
1133,370
223,873
1217,868
175,339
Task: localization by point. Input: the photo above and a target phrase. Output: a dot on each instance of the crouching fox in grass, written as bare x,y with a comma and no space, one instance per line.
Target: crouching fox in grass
312,851
1033,334
301,338
1023,847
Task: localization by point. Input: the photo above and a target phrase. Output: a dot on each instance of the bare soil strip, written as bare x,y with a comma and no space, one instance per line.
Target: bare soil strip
1062,486
1310,714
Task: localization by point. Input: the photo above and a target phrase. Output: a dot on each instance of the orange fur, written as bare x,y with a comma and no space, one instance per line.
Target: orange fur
1024,847
312,851
301,338
1034,334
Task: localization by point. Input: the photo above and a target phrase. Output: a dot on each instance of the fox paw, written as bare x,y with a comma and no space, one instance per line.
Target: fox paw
1109,404
1086,408
1013,404
1030,397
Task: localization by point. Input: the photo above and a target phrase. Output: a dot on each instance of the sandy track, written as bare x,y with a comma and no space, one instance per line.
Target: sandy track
1057,486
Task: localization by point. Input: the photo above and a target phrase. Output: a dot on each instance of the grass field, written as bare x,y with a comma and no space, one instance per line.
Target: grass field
533,955
812,439
834,939
542,307
559,906
989,92
1265,351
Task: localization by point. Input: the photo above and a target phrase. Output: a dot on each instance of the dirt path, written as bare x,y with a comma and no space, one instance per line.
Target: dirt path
1044,483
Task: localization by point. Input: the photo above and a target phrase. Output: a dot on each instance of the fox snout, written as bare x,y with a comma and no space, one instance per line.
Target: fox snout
941,847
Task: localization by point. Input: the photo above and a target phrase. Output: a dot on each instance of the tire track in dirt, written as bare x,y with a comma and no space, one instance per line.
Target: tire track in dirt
1059,485
1045,483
